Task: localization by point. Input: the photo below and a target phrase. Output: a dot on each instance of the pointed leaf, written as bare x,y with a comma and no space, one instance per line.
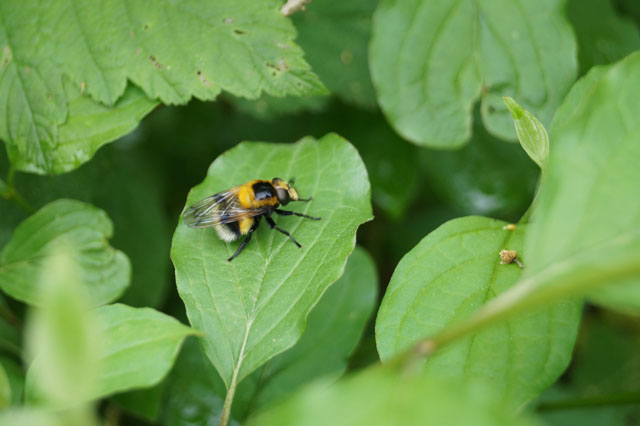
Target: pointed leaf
432,60
84,229
256,306
531,133
378,397
450,274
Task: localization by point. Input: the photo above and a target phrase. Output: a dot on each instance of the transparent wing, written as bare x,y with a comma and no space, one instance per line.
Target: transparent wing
220,208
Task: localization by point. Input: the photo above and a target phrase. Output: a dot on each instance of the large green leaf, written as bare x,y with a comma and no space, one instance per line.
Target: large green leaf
254,307
334,36
380,398
244,47
587,223
447,276
80,227
603,35
333,329
431,60
130,339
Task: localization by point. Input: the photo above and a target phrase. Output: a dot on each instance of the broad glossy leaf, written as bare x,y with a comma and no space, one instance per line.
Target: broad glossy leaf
450,274
586,231
335,36
62,337
84,229
604,36
130,338
486,177
432,60
120,180
255,307
333,329
378,397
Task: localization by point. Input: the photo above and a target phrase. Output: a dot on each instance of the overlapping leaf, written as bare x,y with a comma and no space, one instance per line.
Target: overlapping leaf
256,306
586,231
431,60
172,51
450,274
80,227
333,330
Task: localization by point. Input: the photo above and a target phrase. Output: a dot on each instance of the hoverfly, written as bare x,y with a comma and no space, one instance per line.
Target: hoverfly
238,210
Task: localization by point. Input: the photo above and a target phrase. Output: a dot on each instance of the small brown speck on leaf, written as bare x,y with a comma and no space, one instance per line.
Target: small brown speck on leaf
203,80
155,62
510,256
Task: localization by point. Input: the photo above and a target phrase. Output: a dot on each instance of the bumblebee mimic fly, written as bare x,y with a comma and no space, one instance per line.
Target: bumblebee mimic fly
238,210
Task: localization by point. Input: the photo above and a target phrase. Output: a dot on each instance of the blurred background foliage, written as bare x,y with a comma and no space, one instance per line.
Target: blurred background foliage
142,181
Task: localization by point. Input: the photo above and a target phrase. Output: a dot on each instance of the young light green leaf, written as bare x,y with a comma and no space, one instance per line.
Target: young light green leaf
255,306
431,61
378,397
333,329
531,133
586,209
63,335
447,276
604,36
334,36
83,229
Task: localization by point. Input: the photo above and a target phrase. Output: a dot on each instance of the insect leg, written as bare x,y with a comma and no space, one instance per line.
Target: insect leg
305,199
245,241
288,213
273,225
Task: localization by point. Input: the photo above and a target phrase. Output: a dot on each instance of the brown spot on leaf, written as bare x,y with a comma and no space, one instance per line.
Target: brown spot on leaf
346,57
203,80
155,62
239,32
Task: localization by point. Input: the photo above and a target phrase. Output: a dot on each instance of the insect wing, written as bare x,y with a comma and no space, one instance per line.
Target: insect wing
220,208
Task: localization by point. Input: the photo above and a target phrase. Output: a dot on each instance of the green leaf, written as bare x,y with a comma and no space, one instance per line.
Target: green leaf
378,397
143,403
255,307
16,379
486,177
63,335
9,339
431,61
84,229
333,329
5,389
133,337
334,36
120,181
531,133
603,35
448,275
586,231
244,47
90,126
130,338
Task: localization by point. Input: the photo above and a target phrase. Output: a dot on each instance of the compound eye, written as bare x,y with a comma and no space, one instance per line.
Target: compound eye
283,196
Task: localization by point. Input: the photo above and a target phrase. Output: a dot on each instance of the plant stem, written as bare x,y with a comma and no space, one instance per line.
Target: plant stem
13,194
591,401
228,399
